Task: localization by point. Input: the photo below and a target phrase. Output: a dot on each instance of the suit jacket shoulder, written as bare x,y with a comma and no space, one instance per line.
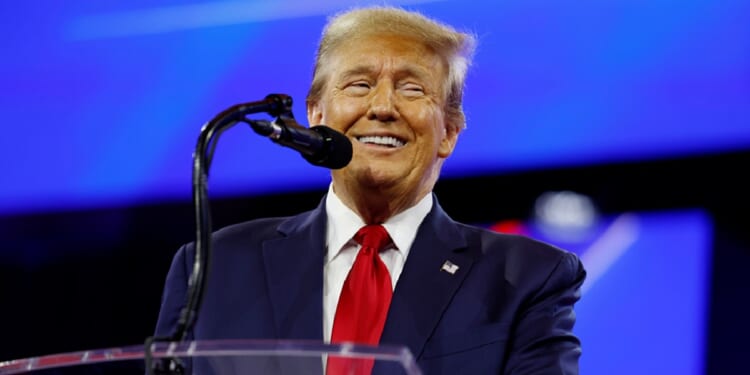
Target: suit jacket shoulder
524,258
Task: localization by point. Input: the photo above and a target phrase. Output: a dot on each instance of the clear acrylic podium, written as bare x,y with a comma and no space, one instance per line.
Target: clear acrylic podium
224,357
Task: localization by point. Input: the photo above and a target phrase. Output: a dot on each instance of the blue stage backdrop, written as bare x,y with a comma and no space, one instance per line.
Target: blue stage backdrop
645,300
102,102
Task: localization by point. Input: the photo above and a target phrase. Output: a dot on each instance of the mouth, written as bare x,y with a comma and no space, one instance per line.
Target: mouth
383,141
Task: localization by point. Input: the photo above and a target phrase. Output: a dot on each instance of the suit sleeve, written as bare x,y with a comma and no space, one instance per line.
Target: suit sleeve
543,342
174,294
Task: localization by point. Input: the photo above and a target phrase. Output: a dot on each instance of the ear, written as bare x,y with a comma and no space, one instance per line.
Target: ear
314,113
448,143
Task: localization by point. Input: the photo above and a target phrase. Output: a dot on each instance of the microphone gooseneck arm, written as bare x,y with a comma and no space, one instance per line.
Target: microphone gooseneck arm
274,105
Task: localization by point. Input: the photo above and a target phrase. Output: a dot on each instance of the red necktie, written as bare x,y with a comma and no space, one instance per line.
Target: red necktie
364,301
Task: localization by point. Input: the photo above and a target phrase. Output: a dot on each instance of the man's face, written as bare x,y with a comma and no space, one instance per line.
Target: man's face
386,93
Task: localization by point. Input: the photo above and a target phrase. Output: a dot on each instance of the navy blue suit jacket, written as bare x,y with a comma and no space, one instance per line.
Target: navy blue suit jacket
507,309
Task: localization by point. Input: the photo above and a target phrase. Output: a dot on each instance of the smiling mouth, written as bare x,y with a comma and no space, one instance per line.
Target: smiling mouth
385,141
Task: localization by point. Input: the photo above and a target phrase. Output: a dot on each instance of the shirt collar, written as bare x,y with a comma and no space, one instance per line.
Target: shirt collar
343,224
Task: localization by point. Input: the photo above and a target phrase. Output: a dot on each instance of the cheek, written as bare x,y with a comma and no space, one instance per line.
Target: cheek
341,114
431,122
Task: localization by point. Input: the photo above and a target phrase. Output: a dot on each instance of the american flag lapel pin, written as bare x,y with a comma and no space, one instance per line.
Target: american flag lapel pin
449,267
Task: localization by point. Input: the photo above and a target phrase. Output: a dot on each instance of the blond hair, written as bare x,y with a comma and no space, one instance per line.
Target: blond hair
457,48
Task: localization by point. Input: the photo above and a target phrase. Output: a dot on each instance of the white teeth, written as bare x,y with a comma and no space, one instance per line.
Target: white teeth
383,141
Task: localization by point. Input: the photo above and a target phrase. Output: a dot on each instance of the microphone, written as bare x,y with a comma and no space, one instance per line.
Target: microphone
319,145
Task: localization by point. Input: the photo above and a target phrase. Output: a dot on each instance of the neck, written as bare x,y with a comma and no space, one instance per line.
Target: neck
376,205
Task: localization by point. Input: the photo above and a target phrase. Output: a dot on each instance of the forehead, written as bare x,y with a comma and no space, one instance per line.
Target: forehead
393,53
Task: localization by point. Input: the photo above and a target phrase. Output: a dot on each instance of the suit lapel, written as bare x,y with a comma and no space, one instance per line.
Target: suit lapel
294,272
425,288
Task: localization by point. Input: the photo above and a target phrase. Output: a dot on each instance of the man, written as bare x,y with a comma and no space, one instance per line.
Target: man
463,300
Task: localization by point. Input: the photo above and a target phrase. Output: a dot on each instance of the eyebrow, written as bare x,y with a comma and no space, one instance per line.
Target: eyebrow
407,71
357,70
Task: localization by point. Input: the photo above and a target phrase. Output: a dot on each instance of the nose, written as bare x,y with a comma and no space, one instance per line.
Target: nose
382,104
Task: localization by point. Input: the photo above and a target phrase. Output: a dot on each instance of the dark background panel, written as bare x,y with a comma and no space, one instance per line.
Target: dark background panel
92,279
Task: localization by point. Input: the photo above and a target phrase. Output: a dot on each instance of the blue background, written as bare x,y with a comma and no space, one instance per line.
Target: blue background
655,323
102,102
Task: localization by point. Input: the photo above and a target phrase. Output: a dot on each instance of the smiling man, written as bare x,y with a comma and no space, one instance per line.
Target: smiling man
387,92
379,262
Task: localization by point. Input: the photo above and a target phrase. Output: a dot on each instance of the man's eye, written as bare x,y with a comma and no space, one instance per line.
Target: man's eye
411,89
357,88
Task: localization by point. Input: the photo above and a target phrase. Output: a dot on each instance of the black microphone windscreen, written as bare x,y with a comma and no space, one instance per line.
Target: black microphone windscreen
338,153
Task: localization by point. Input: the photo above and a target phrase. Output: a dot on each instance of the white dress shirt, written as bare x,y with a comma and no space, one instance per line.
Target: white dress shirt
343,224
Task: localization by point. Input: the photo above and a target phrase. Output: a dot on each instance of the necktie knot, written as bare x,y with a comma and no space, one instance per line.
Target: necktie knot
373,237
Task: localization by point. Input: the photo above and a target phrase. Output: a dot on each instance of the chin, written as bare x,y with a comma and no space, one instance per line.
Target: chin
378,178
